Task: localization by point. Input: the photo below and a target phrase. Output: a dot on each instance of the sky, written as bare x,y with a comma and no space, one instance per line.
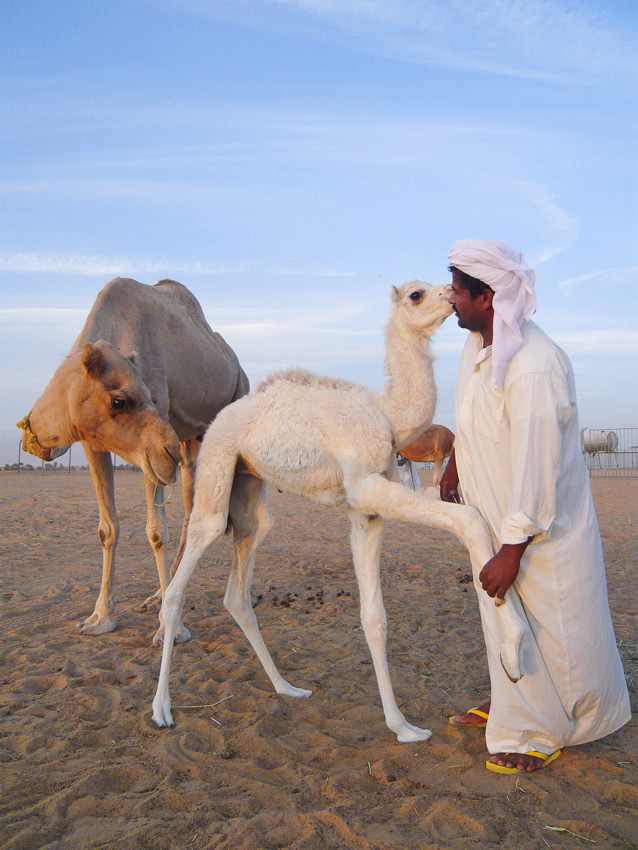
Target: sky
291,160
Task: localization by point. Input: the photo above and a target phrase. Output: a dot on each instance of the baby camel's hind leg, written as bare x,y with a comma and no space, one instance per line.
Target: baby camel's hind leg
366,537
202,531
251,521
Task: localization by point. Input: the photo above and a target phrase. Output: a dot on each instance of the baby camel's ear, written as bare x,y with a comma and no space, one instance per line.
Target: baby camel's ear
394,294
92,360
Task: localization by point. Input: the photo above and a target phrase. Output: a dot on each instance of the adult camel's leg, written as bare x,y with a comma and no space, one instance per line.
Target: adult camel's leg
366,537
188,451
251,521
157,533
101,620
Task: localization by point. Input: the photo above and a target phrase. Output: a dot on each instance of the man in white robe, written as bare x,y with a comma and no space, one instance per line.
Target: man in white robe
408,473
518,460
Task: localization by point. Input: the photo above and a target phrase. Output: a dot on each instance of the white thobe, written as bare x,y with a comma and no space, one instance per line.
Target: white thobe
520,463
409,475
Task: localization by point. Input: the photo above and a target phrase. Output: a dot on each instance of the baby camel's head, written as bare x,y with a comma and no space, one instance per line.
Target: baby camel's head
421,305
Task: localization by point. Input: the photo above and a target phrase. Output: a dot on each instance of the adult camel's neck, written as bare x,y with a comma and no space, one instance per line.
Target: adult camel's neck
409,397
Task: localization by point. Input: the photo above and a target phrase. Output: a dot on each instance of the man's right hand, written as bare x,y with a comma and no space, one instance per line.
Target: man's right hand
450,482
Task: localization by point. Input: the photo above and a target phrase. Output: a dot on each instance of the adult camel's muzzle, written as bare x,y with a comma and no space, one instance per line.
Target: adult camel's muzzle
31,444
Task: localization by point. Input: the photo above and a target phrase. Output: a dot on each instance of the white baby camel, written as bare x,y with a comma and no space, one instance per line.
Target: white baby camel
334,442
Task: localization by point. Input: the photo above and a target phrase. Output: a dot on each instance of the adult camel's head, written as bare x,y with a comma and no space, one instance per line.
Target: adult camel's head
97,396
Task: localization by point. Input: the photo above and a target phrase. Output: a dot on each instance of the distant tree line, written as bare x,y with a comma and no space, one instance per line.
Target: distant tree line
61,467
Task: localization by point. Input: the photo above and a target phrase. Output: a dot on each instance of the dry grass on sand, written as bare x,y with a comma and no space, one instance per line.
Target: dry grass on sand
82,765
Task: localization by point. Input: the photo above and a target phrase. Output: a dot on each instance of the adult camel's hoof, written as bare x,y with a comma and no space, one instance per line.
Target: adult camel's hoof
151,603
96,625
182,635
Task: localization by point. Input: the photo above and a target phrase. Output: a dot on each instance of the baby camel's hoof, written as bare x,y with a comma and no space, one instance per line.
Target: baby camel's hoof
299,693
162,717
511,667
413,734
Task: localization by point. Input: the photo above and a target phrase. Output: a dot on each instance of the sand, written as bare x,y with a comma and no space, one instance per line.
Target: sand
82,765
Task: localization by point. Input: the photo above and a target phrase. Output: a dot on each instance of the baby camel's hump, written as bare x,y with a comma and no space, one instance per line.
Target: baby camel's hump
298,429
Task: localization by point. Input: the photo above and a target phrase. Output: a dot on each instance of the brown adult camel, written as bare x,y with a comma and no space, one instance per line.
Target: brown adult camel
433,446
143,380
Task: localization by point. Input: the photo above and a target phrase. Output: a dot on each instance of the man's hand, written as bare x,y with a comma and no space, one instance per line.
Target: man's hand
450,482
499,574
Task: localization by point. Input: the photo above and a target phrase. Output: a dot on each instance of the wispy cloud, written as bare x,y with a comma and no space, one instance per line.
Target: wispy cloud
569,283
316,338
91,264
40,315
561,224
607,276
310,273
537,39
604,342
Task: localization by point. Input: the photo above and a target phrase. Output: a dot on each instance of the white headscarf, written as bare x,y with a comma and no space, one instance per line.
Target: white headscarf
506,272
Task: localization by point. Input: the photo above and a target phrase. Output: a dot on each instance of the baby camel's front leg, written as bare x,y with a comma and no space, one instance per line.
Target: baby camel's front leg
374,493
366,537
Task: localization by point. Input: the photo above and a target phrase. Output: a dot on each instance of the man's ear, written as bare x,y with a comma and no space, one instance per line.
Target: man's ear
487,295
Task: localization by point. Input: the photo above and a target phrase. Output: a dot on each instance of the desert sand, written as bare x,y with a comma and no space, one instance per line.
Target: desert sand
83,766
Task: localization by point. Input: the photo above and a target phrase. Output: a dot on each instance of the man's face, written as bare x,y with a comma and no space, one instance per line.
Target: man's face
471,312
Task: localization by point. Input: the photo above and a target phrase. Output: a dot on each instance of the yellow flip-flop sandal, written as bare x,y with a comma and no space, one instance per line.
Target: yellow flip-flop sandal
500,768
454,721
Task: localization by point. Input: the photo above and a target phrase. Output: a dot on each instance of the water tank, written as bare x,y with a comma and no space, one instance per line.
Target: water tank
599,441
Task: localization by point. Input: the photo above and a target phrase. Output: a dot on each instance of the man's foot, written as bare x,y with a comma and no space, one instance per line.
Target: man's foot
473,717
519,762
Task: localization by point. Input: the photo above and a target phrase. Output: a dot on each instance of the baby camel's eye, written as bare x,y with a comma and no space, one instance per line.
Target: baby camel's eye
415,297
118,403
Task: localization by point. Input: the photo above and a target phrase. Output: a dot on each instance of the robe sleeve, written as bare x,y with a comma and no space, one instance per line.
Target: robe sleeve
538,406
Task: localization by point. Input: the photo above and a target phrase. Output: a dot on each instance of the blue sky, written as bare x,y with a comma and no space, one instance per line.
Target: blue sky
291,160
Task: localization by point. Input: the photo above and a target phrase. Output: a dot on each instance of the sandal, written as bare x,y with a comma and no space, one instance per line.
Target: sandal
454,721
501,768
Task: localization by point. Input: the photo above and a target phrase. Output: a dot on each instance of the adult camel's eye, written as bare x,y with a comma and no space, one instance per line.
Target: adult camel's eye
118,403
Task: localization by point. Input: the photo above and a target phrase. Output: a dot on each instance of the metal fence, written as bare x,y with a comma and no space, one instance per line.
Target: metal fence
610,452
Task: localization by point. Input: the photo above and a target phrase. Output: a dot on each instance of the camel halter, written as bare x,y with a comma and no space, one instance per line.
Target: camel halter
31,439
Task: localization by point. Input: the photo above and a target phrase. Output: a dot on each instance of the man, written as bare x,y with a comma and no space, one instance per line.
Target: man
408,473
518,460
